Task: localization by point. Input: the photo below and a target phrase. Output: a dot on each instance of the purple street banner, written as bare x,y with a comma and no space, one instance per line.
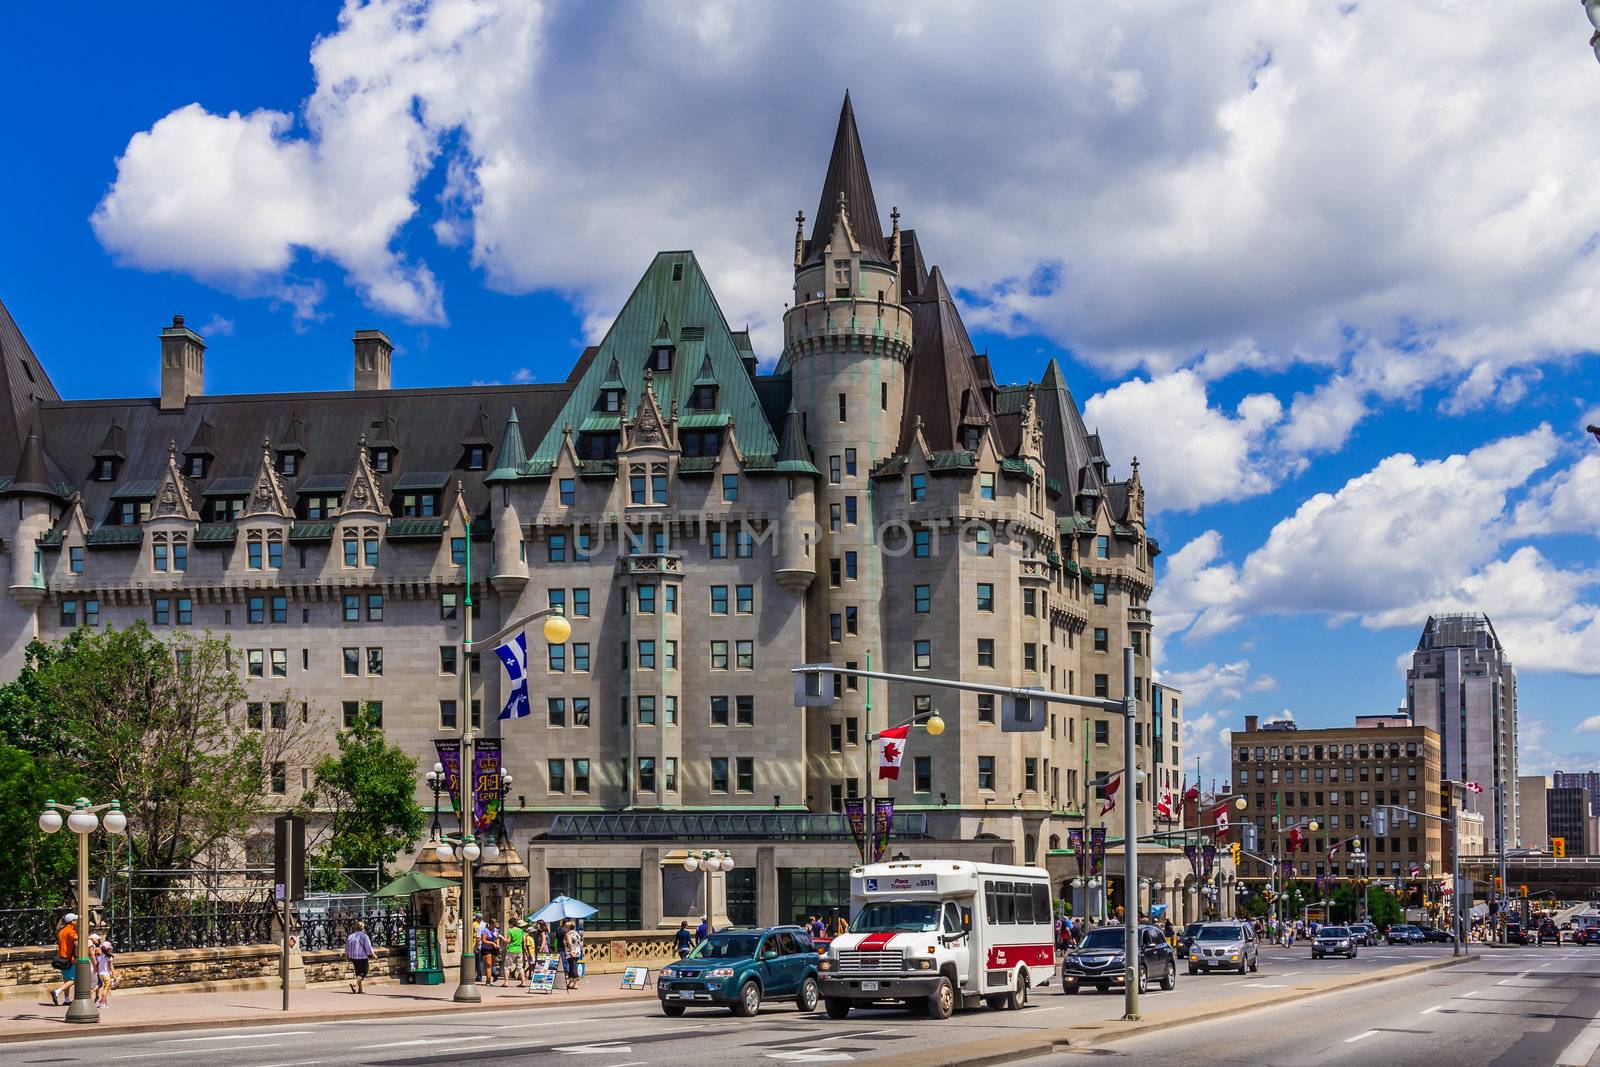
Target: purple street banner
450,760
1191,852
485,779
1075,842
1097,849
1208,854
855,813
485,783
882,819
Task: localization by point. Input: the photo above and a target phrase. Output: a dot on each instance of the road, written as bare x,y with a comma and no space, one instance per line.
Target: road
636,1033
1512,1008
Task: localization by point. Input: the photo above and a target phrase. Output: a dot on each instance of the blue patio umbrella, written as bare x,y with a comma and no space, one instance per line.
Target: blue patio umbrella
562,908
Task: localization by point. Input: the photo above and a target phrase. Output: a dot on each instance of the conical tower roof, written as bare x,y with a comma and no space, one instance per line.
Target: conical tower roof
794,454
847,174
512,454
31,479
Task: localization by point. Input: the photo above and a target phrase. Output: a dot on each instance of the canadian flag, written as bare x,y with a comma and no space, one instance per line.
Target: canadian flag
1192,793
1219,816
1296,839
1472,787
891,750
1334,851
1111,794
1164,805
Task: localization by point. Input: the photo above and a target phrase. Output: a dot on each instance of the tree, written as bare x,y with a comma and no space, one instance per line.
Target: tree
156,724
1383,908
40,868
370,787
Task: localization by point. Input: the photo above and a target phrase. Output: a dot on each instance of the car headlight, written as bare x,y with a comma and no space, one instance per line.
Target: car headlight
720,972
923,964
1194,955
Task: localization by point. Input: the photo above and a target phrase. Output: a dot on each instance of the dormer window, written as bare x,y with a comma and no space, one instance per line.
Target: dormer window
289,464
322,505
970,436
224,508
599,444
701,442
419,505
105,470
661,358
610,400
477,457
704,398
841,277
194,465
382,460
130,512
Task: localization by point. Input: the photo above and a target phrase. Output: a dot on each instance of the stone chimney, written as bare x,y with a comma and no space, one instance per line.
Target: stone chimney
1250,722
373,349
183,364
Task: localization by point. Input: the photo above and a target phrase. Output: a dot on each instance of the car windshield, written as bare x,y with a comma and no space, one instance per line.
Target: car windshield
1333,931
1103,938
1192,929
1222,933
726,947
897,916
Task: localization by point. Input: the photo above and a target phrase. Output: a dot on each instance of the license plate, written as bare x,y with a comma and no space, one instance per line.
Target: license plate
869,987
685,995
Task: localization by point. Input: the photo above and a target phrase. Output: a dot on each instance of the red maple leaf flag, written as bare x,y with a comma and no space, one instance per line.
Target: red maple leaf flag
892,751
1111,795
1296,839
1164,805
1219,817
1192,793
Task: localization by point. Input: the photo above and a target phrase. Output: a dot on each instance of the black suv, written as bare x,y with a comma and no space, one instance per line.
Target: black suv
1098,960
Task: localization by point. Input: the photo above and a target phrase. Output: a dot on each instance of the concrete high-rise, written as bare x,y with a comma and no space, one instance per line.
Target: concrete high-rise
1589,780
1462,685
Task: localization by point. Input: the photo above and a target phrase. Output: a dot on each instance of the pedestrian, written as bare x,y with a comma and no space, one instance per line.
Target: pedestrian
702,931
488,950
572,950
65,961
358,950
541,943
105,970
683,940
1167,931
477,939
516,947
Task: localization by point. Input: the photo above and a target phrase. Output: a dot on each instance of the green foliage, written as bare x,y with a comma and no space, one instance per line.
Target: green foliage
39,868
1346,904
157,724
370,786
1382,908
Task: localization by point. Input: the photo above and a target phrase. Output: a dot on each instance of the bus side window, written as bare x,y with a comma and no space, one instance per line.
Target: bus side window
991,905
1007,902
952,919
1022,895
1041,903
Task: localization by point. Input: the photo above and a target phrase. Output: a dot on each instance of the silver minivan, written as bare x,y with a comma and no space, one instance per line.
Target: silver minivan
1224,946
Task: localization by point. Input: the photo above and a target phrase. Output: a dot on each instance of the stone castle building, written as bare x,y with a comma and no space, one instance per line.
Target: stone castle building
704,524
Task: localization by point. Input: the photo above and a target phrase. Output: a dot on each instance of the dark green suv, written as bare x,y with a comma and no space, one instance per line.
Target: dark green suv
739,968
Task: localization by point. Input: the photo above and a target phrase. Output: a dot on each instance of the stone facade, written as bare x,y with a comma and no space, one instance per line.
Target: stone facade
704,525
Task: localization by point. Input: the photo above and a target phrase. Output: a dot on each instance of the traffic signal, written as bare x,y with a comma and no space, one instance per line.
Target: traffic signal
1558,847
1498,884
1445,799
1236,849
1524,890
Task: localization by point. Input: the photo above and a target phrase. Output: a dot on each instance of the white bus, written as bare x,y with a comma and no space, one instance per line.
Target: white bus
941,934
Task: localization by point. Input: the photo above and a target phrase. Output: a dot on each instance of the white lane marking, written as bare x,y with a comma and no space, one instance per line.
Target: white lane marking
1582,1048
199,1051
630,1063
236,1037
291,1063
857,1033
594,1048
529,1026
1358,1037
425,1041
1429,1011
1471,993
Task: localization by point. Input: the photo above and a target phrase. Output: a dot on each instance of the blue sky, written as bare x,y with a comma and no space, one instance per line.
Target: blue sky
1327,269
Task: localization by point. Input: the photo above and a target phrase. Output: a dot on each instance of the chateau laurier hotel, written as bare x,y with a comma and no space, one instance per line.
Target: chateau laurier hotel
704,525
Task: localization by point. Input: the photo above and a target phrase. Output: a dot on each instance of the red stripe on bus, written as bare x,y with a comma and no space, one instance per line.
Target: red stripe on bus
1029,955
875,942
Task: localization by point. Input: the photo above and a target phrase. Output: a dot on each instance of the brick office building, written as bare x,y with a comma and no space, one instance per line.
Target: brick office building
704,523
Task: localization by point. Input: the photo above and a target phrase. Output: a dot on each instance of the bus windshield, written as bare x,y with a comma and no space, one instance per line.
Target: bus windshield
897,916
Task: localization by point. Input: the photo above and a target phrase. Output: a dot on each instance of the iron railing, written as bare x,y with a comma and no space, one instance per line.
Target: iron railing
29,926
386,928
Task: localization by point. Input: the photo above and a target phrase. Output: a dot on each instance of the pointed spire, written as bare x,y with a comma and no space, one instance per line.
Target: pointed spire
799,237
31,479
172,494
364,494
794,453
267,496
512,455
847,184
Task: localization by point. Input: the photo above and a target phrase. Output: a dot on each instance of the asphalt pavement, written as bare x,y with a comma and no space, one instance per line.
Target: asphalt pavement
634,1033
1507,1008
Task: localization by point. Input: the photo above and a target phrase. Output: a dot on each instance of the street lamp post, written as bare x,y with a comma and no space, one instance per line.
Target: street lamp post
930,721
708,860
556,632
83,819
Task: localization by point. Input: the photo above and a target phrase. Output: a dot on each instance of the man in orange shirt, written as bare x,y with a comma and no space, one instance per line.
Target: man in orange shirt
66,958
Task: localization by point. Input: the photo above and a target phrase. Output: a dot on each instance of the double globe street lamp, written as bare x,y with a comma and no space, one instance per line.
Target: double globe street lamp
709,860
83,819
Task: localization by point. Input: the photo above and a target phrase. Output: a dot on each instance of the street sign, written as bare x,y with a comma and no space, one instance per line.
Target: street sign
1250,842
1022,715
1380,822
812,689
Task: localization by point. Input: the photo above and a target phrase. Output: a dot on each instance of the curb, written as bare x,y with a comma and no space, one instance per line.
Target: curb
281,1018
1081,1035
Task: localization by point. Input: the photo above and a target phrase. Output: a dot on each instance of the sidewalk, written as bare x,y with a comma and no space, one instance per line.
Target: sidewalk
141,1010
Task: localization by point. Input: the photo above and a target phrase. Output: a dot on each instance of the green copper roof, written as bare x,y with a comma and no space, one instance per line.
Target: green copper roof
311,531
215,533
511,455
683,303
115,535
403,528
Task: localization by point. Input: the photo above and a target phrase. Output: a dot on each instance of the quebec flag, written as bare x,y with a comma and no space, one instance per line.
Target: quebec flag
514,654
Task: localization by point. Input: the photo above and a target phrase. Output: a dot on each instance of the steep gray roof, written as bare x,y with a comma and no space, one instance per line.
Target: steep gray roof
847,174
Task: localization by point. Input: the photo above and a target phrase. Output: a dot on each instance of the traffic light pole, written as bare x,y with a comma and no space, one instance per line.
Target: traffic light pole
1455,862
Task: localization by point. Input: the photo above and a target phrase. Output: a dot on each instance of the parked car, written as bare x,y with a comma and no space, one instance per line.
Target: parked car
1099,960
1434,934
1336,941
739,968
1402,934
1222,946
1186,938
1548,931
1368,932
1516,933
1586,935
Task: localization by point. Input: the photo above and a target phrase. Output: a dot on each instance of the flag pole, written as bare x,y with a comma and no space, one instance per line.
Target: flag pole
868,816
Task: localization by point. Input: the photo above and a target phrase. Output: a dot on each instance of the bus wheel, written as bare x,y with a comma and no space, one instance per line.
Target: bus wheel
837,1007
995,1002
1018,999
942,1004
